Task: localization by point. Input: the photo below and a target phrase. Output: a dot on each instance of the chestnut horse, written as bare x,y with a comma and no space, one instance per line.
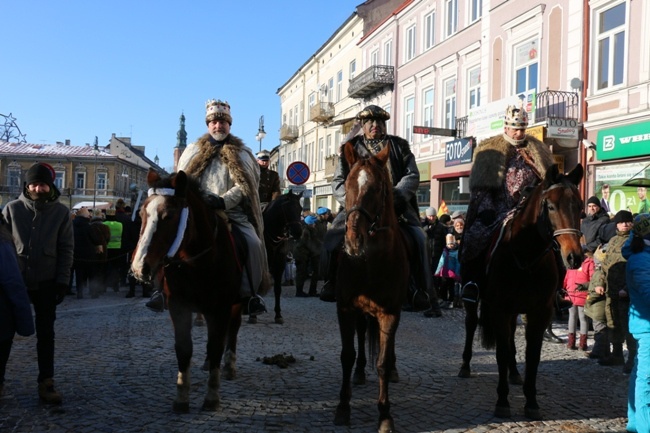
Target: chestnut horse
522,277
281,220
193,249
372,276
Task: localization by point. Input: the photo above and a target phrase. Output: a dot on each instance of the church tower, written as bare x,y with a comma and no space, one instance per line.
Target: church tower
181,142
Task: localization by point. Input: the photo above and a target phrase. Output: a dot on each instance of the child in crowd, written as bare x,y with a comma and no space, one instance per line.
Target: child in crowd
576,283
449,272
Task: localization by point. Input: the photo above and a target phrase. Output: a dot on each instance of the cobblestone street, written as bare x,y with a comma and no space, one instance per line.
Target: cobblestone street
116,370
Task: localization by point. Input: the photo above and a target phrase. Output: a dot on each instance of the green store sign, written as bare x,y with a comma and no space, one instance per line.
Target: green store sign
624,141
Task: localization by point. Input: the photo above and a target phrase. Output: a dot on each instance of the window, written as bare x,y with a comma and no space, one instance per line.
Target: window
312,100
101,181
450,193
374,58
611,46
526,66
474,87
353,69
339,85
409,111
295,116
337,141
451,17
450,103
475,10
427,107
330,89
13,180
429,30
59,180
409,49
388,53
328,143
80,180
321,153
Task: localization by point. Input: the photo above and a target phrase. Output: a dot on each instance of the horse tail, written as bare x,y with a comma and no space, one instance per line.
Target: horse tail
373,338
488,336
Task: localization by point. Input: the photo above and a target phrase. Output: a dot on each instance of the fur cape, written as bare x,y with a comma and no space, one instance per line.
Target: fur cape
488,170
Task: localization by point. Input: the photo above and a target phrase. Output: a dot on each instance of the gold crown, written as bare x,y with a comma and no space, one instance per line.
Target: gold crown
516,117
217,109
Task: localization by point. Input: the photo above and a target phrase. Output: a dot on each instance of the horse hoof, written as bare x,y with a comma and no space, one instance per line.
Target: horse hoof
515,379
342,416
393,377
252,320
532,414
210,405
229,373
359,378
386,426
502,412
279,319
183,407
464,373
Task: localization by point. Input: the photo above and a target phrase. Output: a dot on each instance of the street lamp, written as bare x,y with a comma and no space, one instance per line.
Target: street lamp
96,152
260,132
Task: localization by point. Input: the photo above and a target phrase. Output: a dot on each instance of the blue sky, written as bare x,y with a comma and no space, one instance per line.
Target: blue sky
77,69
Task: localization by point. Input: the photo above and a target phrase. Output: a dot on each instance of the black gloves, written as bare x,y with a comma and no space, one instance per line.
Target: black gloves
214,201
399,202
61,291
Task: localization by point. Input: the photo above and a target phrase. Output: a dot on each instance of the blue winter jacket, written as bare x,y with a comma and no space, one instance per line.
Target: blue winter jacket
15,309
638,286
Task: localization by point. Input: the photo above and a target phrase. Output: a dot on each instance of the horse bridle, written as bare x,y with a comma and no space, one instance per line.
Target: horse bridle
374,221
544,216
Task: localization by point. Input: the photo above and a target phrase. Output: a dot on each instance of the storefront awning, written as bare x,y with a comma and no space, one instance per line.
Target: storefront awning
638,181
442,176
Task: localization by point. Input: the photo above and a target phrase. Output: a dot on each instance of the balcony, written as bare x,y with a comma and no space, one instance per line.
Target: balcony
372,81
461,127
556,104
321,112
288,132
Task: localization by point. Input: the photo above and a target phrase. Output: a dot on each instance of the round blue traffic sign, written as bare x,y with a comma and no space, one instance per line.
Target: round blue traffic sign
298,172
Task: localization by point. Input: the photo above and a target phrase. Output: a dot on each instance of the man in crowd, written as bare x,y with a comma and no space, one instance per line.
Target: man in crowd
269,180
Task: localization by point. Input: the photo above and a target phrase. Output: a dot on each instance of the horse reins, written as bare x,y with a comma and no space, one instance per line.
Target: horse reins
374,222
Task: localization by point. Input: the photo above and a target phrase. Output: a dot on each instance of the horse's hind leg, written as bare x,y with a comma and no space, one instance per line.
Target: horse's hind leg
347,328
503,333
385,365
217,328
534,335
182,320
277,291
359,376
230,356
471,322
513,376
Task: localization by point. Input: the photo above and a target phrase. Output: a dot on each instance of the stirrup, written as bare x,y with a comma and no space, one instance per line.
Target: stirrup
256,305
470,292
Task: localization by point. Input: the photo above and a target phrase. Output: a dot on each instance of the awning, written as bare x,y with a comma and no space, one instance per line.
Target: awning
442,176
89,205
638,181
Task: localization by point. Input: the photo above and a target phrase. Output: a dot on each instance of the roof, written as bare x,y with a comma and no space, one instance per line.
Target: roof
51,150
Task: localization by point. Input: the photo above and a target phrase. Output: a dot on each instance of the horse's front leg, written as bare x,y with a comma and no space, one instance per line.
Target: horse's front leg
385,365
513,376
535,328
277,291
182,320
347,323
230,356
359,376
503,333
217,330
471,322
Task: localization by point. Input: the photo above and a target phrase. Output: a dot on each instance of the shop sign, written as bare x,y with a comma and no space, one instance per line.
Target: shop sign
459,152
624,141
621,197
563,128
487,120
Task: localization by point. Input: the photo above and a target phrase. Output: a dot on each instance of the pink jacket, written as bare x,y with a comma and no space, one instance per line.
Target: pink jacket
582,275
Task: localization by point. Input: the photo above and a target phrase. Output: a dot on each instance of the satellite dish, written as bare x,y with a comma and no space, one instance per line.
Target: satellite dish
576,83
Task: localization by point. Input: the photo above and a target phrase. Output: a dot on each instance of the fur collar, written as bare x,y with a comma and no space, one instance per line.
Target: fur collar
489,168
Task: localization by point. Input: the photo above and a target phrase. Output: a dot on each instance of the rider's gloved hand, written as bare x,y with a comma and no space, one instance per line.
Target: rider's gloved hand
214,201
399,201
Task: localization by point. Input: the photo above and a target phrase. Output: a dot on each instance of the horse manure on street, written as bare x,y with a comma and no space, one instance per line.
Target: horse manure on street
281,360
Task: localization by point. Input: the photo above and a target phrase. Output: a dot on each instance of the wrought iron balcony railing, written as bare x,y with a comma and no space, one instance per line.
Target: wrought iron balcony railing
321,112
556,104
371,81
288,132
461,127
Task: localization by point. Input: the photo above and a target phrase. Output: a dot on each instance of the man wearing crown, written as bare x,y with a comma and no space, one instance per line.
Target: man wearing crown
504,166
229,177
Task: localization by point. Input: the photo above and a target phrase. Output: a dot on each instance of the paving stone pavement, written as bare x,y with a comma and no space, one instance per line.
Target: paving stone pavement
116,369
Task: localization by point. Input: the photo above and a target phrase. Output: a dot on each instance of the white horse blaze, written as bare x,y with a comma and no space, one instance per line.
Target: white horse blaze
147,234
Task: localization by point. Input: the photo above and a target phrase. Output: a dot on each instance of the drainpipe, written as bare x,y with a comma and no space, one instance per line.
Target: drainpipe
586,22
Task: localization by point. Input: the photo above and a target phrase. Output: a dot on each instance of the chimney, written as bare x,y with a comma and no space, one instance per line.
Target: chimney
67,142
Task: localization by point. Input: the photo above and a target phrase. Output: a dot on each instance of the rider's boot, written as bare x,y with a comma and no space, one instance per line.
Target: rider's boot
157,302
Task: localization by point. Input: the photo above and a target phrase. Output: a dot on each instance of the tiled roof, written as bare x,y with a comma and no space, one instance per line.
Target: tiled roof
50,150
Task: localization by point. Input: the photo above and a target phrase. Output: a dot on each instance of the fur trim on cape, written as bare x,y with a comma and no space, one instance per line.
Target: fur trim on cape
488,170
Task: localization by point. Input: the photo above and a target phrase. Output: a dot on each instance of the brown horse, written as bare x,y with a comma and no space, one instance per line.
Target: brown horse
194,251
372,277
523,275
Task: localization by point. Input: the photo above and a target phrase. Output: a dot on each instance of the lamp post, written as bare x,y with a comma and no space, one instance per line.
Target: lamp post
260,132
96,152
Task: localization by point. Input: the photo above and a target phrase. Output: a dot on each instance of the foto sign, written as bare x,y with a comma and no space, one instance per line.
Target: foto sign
459,152
563,128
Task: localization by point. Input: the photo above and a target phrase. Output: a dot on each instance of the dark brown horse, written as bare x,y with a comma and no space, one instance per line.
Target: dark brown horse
372,277
523,275
281,220
193,250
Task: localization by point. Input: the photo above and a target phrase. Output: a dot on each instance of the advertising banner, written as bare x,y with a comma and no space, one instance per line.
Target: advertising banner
621,197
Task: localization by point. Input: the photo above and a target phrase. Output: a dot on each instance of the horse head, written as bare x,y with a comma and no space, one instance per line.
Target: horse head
165,216
560,210
368,199
283,214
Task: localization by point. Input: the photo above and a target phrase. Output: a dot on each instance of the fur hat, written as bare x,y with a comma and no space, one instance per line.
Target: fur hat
642,226
593,200
516,117
373,112
623,216
217,109
41,172
431,211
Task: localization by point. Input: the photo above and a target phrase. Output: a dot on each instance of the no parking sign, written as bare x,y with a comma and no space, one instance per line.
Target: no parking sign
298,172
